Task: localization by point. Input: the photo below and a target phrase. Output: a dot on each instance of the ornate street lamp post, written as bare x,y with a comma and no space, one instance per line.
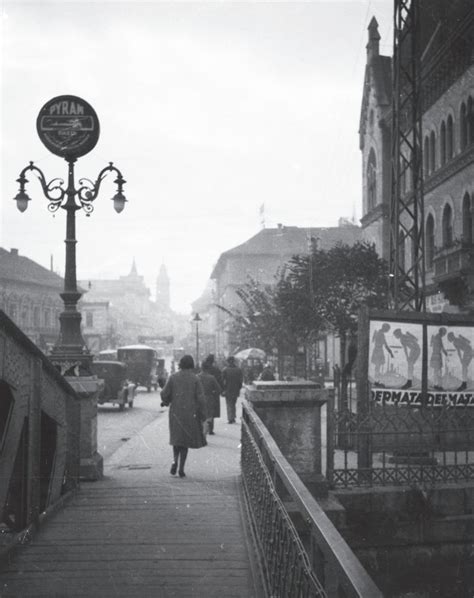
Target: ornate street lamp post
69,127
197,319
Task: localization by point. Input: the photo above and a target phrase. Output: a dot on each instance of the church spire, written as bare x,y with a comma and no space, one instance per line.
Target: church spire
133,271
374,38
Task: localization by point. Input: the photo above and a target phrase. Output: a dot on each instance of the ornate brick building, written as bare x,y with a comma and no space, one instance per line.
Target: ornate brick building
29,295
447,45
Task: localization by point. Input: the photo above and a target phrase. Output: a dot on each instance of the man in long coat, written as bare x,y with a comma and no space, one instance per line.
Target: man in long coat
233,378
212,392
184,393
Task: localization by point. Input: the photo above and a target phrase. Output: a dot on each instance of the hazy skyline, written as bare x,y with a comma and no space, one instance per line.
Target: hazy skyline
208,109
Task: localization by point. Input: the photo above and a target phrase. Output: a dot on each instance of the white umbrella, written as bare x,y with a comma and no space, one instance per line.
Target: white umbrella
251,353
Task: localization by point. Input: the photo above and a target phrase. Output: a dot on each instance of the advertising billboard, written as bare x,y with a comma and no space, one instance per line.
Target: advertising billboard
425,361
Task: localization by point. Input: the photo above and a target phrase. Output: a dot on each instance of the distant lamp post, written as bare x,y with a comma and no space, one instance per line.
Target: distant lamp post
197,319
69,128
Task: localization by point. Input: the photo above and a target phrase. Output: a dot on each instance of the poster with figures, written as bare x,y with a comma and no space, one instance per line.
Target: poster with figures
450,352
395,354
427,361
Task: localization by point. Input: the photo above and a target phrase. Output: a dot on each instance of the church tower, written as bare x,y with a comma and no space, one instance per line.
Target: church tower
375,144
163,289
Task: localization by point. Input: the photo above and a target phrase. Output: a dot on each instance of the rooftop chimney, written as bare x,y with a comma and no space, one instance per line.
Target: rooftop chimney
374,38
14,251
280,225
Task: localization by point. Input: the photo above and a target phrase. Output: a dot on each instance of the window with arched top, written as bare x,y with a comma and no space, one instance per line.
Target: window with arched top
447,226
463,126
429,241
426,156
470,120
449,138
432,152
371,181
467,219
442,144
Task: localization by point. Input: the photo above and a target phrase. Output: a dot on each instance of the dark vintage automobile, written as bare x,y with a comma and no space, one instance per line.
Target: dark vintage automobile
141,363
117,387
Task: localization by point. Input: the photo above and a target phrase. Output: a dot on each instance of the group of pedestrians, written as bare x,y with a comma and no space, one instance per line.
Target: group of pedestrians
194,403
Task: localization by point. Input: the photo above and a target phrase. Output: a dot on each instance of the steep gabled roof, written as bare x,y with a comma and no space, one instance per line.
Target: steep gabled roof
19,268
287,241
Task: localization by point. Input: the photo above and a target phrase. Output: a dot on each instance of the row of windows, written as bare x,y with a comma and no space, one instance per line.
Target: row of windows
433,158
26,316
447,237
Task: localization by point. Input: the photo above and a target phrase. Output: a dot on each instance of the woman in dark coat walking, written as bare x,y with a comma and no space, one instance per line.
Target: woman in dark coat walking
184,393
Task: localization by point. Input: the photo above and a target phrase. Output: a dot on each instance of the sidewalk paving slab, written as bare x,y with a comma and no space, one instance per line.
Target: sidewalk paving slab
141,532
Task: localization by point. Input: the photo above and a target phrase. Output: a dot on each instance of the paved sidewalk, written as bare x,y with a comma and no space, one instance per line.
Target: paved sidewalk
144,533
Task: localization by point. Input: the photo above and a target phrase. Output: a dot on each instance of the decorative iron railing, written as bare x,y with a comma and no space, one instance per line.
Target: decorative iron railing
302,554
400,445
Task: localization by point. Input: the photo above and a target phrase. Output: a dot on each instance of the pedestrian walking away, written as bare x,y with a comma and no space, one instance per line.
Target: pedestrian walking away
213,369
212,392
184,393
232,377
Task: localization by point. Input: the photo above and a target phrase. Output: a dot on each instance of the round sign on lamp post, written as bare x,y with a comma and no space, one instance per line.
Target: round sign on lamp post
68,126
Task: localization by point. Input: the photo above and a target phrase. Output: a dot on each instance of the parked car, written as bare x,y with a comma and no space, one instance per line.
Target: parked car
141,363
107,355
118,389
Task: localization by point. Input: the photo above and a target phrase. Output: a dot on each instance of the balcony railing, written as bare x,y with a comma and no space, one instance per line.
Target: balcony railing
453,261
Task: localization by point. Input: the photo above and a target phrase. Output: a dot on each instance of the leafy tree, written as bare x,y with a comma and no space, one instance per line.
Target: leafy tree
259,322
330,286
317,291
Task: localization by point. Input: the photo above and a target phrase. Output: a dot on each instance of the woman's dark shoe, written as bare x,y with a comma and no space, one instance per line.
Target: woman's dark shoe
181,474
174,467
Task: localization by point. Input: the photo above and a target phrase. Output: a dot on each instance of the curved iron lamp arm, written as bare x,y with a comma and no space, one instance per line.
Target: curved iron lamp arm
53,190
88,191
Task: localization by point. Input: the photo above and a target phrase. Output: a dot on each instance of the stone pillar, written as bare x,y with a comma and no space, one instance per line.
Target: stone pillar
91,464
291,411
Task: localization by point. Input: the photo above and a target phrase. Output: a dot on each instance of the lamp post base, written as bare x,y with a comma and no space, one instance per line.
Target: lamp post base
71,361
91,466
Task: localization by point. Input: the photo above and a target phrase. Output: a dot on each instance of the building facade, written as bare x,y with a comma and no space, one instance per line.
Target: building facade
447,46
99,327
262,258
118,308
29,295
121,312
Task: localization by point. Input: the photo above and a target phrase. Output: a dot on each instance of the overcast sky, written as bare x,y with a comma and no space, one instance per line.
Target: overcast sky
208,108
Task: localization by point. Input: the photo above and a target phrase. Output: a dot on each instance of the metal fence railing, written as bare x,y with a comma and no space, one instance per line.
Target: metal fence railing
302,555
379,444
